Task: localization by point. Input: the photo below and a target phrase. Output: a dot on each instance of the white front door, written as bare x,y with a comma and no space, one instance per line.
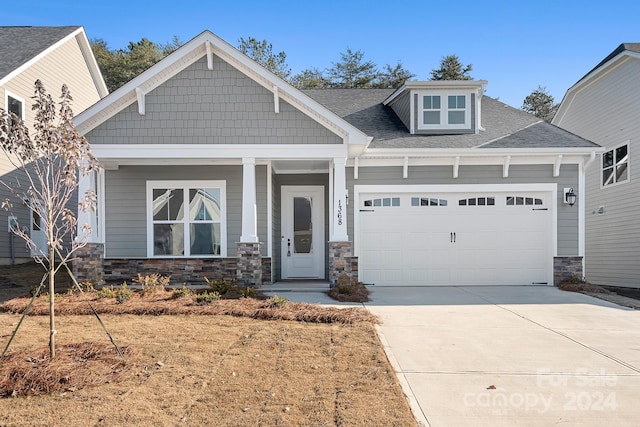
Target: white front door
38,236
302,227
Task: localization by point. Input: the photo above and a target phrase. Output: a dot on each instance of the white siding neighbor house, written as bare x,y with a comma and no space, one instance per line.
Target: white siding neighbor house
55,56
213,166
604,107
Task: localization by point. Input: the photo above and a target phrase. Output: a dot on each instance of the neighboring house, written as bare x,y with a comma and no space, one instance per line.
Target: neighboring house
604,106
215,167
56,56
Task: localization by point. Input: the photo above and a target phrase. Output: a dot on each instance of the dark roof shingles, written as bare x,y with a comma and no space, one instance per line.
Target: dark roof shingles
19,44
505,126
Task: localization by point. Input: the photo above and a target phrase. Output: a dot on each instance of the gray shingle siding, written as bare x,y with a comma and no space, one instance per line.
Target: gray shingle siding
125,204
222,106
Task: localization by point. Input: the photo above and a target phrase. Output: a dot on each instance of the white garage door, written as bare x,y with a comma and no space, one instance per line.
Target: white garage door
455,238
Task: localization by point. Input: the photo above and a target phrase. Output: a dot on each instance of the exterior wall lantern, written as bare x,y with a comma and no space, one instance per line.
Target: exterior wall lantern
569,196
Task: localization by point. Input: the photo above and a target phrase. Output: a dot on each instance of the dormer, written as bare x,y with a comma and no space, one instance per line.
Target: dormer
439,106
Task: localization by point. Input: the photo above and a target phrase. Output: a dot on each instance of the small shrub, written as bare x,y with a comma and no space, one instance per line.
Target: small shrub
207,297
348,289
123,293
88,287
152,282
181,292
107,292
275,301
220,286
248,292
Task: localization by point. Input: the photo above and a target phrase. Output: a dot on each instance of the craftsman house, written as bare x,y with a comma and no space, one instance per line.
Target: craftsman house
213,166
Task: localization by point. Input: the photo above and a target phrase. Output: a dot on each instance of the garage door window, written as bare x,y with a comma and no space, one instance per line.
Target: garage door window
477,201
428,201
383,202
523,201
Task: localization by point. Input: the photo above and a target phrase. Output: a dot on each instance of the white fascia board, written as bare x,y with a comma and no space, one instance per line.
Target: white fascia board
587,80
479,152
41,55
194,50
199,152
452,161
98,78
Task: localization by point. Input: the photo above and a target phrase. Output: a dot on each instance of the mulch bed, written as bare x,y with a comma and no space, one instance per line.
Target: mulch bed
163,302
31,372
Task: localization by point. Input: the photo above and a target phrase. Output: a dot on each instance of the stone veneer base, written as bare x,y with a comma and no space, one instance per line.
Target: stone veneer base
565,267
182,271
87,265
341,262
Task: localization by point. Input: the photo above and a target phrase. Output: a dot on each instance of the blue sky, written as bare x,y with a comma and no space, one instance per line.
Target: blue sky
514,45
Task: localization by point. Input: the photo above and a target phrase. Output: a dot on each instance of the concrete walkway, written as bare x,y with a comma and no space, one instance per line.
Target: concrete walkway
509,356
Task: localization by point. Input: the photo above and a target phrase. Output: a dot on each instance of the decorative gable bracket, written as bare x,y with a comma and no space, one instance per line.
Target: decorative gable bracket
140,95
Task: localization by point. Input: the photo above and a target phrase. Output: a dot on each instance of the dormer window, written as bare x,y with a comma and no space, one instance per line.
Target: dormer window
431,108
439,106
454,113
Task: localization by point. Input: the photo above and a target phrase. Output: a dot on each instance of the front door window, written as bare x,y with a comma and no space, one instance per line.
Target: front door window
302,225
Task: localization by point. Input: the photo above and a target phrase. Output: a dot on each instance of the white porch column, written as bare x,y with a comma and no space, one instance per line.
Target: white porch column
89,216
249,208
339,206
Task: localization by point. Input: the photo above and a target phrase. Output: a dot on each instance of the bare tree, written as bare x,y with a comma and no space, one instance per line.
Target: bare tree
54,159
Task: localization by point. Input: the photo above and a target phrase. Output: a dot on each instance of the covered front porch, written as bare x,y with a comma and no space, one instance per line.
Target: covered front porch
283,217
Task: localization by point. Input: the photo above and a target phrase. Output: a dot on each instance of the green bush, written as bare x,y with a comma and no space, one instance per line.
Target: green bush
181,292
220,286
152,282
107,292
123,293
207,297
275,301
248,292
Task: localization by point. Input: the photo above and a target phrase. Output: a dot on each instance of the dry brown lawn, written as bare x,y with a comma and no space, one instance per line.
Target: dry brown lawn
216,370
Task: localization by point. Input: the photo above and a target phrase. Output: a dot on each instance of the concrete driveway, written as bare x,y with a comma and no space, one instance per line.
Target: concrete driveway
511,356
508,356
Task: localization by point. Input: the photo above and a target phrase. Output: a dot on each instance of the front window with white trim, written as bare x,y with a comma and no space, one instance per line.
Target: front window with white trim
186,218
444,111
615,165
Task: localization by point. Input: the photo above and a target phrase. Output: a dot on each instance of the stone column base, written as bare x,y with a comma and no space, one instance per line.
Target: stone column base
565,267
88,264
341,262
249,267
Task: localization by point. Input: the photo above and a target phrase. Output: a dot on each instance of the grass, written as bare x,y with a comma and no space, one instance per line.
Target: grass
306,365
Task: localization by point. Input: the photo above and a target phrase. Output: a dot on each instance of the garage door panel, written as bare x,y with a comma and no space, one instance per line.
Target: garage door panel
494,244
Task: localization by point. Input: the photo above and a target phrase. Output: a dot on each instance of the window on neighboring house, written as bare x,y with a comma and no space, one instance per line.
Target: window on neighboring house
615,165
445,111
15,106
187,219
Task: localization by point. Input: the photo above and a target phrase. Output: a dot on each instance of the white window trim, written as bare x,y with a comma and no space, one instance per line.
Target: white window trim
444,110
178,184
613,148
8,94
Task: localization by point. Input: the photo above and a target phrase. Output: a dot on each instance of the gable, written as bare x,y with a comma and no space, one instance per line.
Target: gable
604,106
218,106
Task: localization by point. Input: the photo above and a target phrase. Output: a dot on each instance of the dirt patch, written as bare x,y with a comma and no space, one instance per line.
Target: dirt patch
222,371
